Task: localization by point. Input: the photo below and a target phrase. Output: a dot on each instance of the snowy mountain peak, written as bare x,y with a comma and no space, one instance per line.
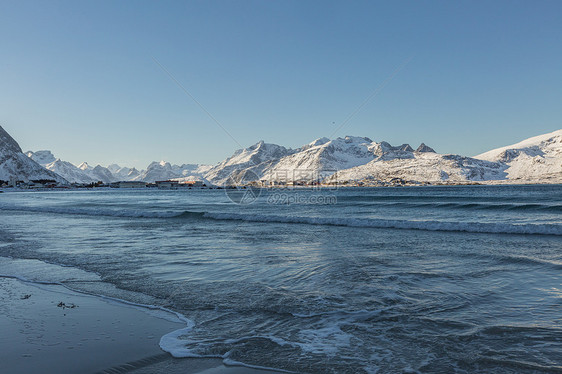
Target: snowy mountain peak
254,158
424,148
406,148
261,152
41,157
114,168
16,165
69,171
319,141
535,159
84,166
97,173
529,146
258,145
384,150
356,139
7,143
351,158
362,160
163,170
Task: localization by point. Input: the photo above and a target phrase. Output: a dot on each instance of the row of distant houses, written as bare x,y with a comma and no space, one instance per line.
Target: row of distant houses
47,183
168,184
39,183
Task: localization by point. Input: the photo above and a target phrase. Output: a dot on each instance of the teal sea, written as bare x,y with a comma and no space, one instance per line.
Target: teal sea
456,279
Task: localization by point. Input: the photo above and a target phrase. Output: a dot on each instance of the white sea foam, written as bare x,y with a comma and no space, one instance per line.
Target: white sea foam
427,225
477,227
176,342
325,340
173,342
175,345
153,310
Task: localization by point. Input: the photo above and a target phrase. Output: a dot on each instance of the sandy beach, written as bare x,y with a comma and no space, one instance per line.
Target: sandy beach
51,329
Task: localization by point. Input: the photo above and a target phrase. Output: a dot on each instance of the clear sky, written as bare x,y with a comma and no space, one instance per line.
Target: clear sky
79,77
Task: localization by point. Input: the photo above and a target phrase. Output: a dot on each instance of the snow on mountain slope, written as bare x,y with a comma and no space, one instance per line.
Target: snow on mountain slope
160,171
70,172
349,159
254,160
63,168
337,154
321,156
193,178
102,174
16,165
422,167
200,169
84,166
537,159
316,160
97,173
114,168
424,148
123,173
126,174
41,157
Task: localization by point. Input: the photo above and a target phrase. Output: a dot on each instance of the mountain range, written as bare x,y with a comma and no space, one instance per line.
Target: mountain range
357,160
14,165
86,174
348,160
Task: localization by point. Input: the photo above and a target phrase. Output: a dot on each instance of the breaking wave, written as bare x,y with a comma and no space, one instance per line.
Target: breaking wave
476,227
482,206
426,225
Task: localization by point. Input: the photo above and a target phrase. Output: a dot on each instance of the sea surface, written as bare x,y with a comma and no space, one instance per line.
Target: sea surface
459,279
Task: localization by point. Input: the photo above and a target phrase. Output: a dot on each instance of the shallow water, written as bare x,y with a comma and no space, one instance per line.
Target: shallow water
432,279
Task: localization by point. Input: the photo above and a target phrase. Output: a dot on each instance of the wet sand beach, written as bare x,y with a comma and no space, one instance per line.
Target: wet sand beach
51,329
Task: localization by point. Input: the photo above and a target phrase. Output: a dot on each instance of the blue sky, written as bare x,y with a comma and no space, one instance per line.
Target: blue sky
79,77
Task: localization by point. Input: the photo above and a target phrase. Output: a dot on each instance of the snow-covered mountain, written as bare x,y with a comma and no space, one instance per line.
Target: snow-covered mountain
85,173
316,160
325,154
413,166
160,171
355,159
97,173
124,173
41,157
537,159
63,168
246,163
341,160
70,172
15,165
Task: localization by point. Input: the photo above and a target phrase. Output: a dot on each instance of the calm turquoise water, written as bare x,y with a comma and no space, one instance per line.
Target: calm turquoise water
433,279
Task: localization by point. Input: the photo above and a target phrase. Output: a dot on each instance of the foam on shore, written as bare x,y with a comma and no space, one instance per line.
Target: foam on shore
50,328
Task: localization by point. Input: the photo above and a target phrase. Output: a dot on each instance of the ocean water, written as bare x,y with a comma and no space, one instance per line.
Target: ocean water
464,279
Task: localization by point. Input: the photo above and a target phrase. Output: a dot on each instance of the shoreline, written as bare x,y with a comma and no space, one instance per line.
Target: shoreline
49,328
494,183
